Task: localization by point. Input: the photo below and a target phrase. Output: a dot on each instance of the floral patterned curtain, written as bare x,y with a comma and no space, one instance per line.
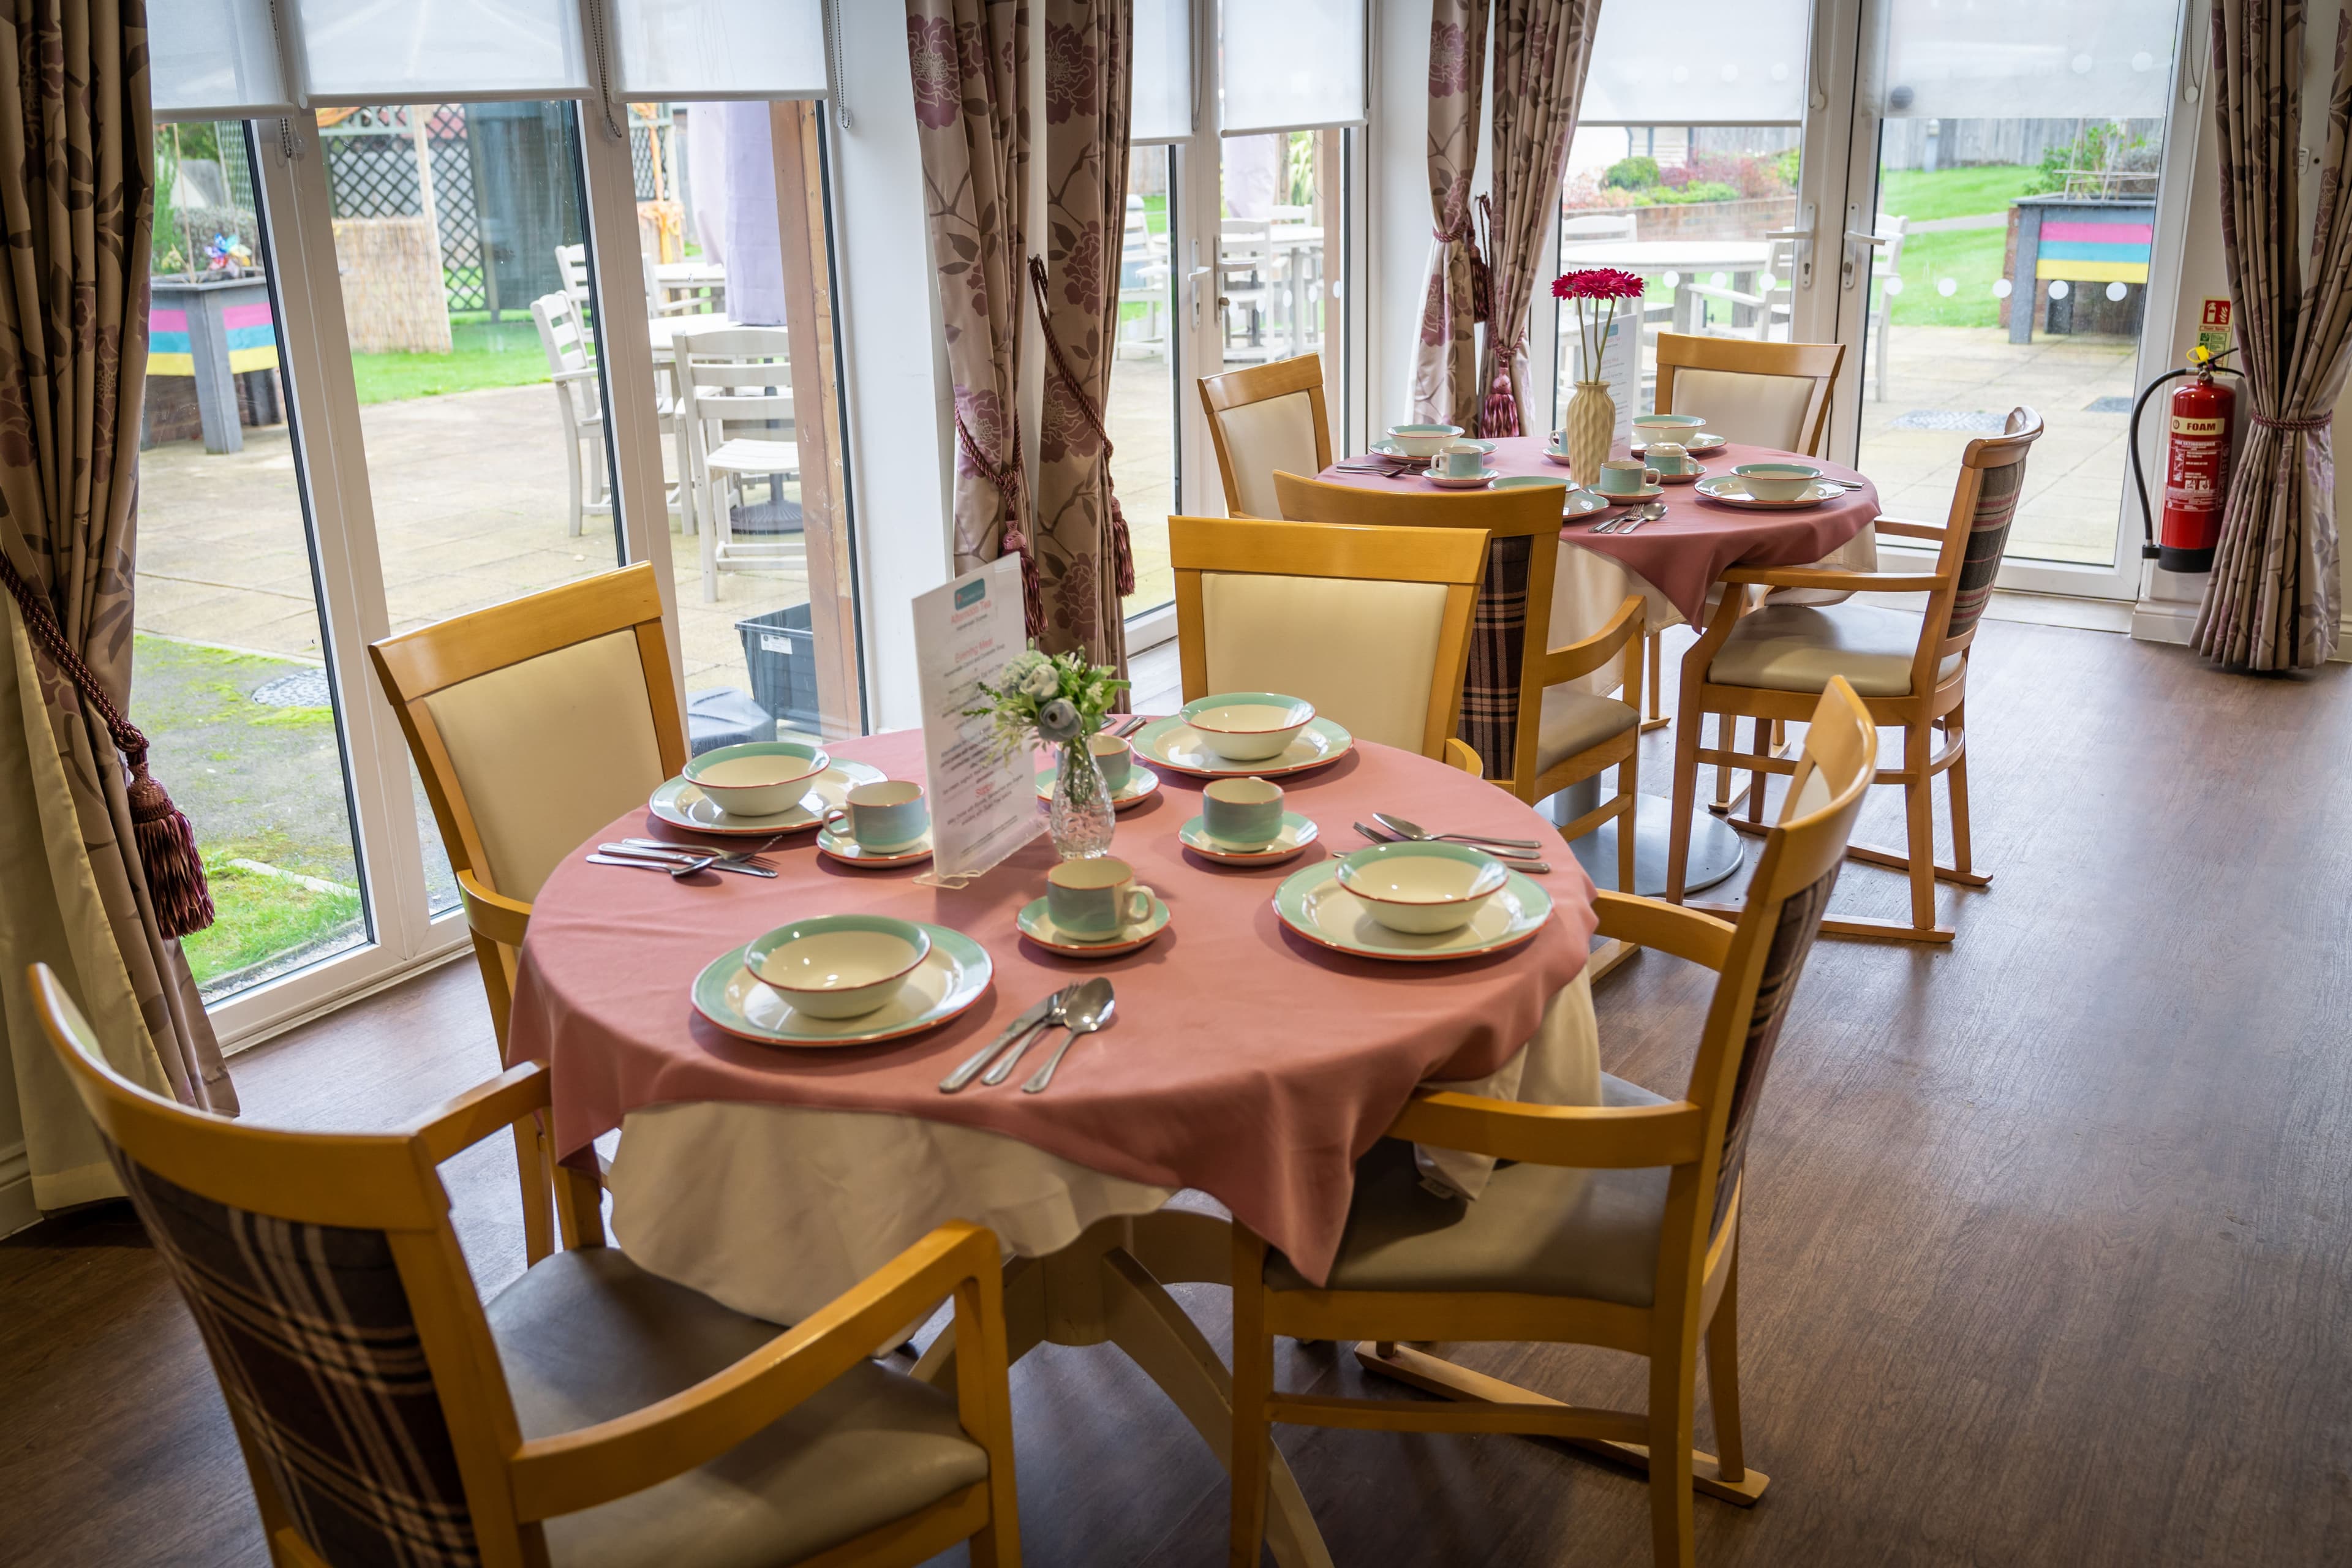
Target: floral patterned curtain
1083,563
2271,602
1446,364
77,189
971,65
1541,50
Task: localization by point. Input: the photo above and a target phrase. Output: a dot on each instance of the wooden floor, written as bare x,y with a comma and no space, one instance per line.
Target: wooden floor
2049,1246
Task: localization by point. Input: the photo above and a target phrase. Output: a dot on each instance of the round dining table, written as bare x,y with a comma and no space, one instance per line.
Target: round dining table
1674,564
1244,1063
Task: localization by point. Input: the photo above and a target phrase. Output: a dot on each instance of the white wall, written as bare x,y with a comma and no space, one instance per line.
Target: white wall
1397,185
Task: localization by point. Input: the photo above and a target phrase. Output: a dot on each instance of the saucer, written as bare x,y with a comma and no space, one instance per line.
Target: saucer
1647,492
1732,490
951,979
1038,926
1583,503
1483,478
1311,902
1140,786
1690,479
1388,449
1296,834
1705,441
838,845
682,805
1173,743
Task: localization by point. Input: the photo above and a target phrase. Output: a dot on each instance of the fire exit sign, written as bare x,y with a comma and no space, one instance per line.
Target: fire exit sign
2213,327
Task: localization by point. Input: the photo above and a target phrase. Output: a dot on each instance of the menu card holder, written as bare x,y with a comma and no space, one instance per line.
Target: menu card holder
983,805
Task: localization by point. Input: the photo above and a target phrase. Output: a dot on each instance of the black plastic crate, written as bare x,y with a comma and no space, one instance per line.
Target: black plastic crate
781,651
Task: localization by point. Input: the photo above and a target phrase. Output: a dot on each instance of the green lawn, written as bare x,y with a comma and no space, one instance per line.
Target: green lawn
1970,259
1923,194
502,353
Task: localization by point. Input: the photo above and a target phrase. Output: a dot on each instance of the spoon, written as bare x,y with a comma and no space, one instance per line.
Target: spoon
1504,857
1063,1001
1413,830
1091,1010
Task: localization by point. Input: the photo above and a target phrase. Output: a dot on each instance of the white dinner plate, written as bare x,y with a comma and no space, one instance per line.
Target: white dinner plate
1311,902
1732,490
1173,743
681,805
950,978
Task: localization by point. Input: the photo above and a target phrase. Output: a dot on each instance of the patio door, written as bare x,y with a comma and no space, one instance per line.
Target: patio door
2011,226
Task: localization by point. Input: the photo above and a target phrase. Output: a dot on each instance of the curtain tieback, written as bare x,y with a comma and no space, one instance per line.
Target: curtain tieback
2316,421
165,843
1122,552
1006,478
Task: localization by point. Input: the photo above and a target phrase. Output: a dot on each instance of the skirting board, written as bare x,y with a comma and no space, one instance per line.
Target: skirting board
2174,621
16,1208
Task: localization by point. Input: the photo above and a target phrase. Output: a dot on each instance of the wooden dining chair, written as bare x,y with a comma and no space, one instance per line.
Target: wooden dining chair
1370,625
1615,1225
533,724
1911,669
1262,418
1577,734
588,1414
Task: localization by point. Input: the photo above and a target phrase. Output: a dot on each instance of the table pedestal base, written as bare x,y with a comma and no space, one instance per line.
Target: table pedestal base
1715,849
1109,1285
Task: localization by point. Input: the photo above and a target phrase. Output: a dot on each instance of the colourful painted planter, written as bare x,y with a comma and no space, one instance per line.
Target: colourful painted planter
212,330
2079,240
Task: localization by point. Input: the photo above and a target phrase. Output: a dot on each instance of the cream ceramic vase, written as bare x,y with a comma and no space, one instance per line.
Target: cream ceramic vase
1591,423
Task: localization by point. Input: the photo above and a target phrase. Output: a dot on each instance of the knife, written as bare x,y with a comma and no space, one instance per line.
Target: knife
718,862
1031,1016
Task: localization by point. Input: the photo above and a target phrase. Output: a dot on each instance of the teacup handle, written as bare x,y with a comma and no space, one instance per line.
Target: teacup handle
1139,906
1650,475
836,816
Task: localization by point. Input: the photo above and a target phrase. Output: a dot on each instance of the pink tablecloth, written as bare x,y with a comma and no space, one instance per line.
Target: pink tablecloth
1246,1061
1682,553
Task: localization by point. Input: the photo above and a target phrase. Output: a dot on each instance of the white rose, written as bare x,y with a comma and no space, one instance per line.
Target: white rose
1044,680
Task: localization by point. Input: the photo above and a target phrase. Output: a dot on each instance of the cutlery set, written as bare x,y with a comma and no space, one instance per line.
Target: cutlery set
1515,853
680,860
1628,521
1079,1009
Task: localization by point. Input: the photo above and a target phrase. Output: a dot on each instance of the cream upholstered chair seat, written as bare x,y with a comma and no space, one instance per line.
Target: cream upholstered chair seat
548,750
1761,410
1797,647
1542,1230
1576,721
587,1336
1364,652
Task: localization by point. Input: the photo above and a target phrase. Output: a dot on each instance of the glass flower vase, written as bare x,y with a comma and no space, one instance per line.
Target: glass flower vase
1080,815
1592,426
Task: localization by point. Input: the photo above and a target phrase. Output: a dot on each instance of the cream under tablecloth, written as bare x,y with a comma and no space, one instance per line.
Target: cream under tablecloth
776,1209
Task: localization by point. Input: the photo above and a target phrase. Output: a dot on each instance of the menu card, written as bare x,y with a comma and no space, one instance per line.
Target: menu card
983,807
1619,363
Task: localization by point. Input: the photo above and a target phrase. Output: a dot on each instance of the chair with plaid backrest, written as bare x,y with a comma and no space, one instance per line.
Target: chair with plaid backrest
1911,669
1577,733
588,1415
1615,1225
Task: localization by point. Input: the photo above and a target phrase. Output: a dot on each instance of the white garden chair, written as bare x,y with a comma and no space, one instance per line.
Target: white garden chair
578,401
735,398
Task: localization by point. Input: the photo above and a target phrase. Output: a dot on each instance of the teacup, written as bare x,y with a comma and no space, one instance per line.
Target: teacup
1243,812
1560,442
1463,461
1681,427
758,778
1778,481
883,816
1422,440
1670,459
838,966
1625,477
1094,900
1114,757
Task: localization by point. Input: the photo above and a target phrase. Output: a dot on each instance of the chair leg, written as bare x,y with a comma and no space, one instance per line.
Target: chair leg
1760,745
1919,798
1671,1396
572,472
1625,835
530,1167
1727,739
1723,1378
1955,781
1678,830
1656,653
1253,1386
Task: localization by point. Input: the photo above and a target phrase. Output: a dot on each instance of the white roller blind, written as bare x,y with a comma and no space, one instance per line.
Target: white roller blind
214,56
417,51
1161,108
2044,59
1705,62
1291,65
719,48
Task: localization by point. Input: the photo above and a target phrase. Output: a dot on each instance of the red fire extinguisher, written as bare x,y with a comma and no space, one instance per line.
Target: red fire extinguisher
2203,414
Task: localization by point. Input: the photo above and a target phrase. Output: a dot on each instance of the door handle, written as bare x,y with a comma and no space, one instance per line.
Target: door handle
1193,281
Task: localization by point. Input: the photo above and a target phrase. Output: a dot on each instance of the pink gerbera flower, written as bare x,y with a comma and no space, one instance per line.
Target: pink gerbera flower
1604,287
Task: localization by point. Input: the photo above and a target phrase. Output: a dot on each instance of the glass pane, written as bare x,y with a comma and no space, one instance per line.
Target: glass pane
1141,408
1282,198
228,662
1695,211
458,235
2013,270
763,555
1719,60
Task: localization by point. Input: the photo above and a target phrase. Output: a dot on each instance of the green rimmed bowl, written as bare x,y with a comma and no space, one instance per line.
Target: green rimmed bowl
1422,889
838,966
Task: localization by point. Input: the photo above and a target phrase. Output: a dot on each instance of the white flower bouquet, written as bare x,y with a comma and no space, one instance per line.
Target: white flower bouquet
1053,698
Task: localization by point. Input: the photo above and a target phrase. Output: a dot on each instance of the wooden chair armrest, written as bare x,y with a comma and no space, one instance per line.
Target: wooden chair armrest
1592,1137
1460,754
1843,582
579,1469
1700,938
493,915
1910,530
487,1107
1587,653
